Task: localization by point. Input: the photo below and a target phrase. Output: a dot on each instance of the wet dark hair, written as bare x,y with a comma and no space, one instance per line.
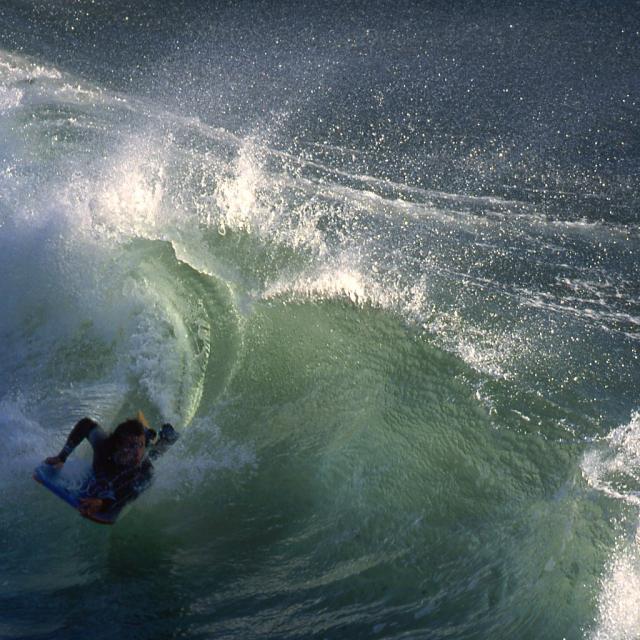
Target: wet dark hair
124,429
127,428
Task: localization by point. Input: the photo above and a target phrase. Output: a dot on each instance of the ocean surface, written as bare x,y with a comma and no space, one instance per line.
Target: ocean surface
378,262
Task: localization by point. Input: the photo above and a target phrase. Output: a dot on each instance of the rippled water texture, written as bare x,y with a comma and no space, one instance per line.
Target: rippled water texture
378,264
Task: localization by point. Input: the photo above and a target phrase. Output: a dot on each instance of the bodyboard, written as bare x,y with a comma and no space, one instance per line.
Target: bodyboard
72,483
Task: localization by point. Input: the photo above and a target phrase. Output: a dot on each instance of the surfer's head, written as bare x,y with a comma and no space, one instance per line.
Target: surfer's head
128,443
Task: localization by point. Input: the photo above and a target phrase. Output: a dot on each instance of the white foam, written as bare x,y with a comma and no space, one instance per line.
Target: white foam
161,355
23,441
612,468
327,283
237,197
10,97
249,199
618,606
15,68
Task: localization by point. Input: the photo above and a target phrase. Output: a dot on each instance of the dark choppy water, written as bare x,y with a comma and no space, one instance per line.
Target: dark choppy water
379,263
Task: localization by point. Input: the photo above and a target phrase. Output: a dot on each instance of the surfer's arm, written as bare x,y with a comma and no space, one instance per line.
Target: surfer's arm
85,428
168,435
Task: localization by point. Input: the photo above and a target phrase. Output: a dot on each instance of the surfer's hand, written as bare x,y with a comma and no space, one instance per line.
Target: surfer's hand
55,461
89,506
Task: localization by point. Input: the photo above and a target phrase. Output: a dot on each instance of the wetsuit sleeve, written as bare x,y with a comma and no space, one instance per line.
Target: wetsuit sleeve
129,486
85,428
168,436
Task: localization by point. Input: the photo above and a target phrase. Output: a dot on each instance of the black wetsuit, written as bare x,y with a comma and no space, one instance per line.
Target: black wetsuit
114,484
